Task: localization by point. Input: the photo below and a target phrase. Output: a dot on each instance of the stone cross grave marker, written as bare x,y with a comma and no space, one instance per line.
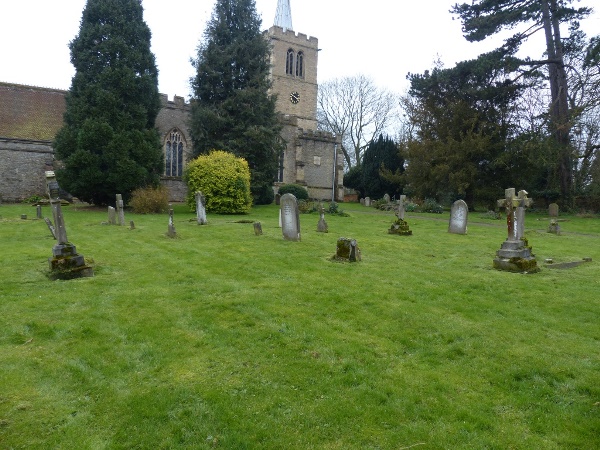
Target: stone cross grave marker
400,211
50,227
65,262
200,208
515,253
290,217
322,225
459,214
120,210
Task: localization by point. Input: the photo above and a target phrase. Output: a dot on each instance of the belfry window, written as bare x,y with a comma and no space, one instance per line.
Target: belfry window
289,62
174,154
300,65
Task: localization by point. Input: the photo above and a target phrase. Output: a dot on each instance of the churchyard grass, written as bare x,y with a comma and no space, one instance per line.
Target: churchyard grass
222,339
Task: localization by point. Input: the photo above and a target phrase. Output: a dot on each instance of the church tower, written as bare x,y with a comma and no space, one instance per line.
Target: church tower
293,69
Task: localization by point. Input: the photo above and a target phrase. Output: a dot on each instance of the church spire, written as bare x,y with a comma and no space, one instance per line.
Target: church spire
283,15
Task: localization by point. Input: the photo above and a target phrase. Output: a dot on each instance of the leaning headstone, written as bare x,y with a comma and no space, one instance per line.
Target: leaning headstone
65,263
515,253
171,229
200,208
347,250
459,213
400,226
322,225
50,227
290,217
120,210
553,227
112,216
257,229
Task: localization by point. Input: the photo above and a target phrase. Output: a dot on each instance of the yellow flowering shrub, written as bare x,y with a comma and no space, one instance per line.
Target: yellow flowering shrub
223,178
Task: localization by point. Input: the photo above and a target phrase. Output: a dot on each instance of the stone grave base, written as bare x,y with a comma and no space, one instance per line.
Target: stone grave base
516,256
347,250
400,227
67,264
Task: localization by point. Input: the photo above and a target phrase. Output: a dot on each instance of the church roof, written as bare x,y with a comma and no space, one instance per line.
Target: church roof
283,15
30,113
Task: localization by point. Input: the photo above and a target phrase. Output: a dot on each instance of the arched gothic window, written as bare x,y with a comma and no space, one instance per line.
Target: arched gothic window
300,65
174,154
289,62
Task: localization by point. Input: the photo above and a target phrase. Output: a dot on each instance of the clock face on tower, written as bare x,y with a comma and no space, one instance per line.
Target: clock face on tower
294,97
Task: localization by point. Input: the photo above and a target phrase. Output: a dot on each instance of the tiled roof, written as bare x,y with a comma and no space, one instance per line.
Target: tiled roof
30,113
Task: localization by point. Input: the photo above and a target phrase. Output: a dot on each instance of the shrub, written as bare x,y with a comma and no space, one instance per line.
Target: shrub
149,200
224,180
263,195
306,207
298,191
431,206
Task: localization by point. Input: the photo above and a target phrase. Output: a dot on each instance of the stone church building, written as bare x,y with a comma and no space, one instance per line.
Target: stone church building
31,116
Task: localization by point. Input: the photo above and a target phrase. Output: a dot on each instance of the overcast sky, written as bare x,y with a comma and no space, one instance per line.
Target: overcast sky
383,39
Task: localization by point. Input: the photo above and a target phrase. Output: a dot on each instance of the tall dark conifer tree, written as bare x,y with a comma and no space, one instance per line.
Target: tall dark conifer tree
232,109
108,144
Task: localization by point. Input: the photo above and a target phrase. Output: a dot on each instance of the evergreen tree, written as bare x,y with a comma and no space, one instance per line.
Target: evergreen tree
382,156
232,109
108,144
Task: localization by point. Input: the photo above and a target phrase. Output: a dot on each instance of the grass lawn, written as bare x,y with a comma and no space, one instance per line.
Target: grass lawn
223,339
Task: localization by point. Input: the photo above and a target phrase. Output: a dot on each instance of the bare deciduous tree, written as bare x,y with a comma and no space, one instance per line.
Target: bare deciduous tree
356,109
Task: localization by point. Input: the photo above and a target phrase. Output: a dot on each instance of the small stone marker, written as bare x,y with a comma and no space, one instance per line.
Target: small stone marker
290,217
112,216
171,230
23,216
50,227
257,229
120,210
515,254
347,250
459,213
322,225
131,225
65,263
38,211
553,227
400,226
200,208
278,199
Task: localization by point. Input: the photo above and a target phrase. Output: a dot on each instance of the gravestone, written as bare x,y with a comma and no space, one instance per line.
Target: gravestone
362,202
347,250
38,211
400,226
65,262
131,225
171,229
120,210
322,225
386,198
515,253
258,229
367,201
112,216
553,227
200,208
290,217
278,199
459,213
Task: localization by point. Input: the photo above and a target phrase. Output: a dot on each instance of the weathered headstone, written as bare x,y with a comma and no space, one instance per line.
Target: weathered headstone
387,198
171,229
278,199
347,250
131,225
515,253
112,216
120,210
38,210
24,216
553,227
400,226
367,201
362,202
459,213
200,208
258,229
65,263
322,225
290,217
